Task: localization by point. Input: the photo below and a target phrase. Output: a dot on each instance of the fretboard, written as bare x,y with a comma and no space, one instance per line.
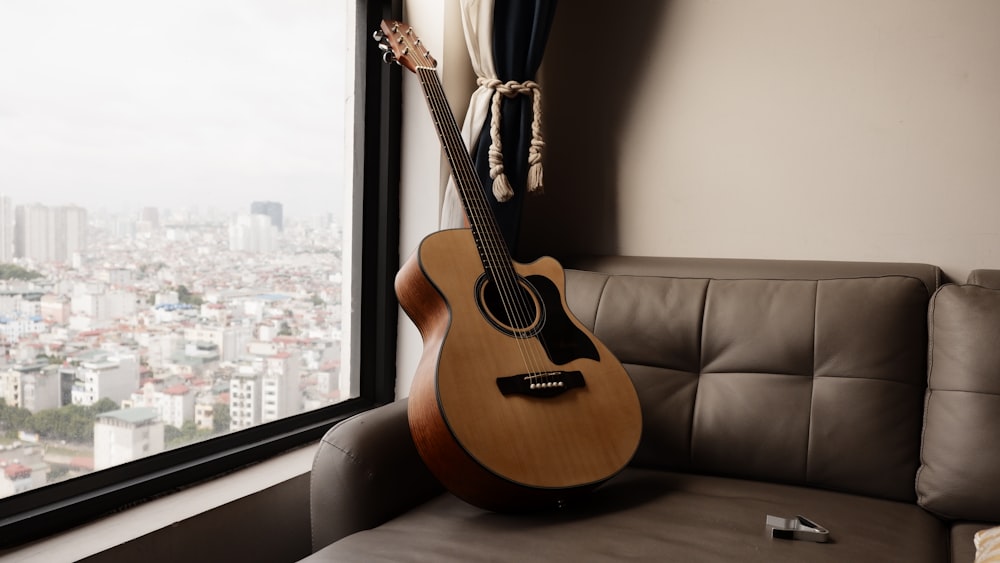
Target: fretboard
485,231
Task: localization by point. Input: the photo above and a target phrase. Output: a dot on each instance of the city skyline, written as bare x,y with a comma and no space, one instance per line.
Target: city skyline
120,106
236,208
142,344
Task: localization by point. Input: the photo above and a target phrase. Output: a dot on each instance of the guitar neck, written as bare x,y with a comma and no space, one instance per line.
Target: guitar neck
485,231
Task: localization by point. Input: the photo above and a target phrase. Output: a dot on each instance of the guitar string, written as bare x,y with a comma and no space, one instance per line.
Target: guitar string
504,276
518,311
486,239
492,247
482,238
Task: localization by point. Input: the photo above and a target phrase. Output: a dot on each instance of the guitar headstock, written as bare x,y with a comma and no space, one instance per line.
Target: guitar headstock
400,44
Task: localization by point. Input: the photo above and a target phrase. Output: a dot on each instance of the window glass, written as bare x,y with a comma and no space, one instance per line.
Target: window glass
174,225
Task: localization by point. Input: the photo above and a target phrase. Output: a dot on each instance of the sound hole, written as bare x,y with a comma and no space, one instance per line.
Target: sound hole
517,311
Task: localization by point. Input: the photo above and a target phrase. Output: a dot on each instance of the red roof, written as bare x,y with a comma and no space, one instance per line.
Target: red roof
82,463
17,471
177,390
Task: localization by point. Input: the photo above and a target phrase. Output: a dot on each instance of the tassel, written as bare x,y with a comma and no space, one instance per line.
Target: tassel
501,188
501,185
535,178
535,150
535,161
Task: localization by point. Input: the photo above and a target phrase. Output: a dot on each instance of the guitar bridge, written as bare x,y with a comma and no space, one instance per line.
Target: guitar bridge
545,384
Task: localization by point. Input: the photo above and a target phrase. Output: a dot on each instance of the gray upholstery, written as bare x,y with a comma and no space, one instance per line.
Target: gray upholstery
771,379
960,467
649,515
366,471
742,268
962,547
767,387
985,278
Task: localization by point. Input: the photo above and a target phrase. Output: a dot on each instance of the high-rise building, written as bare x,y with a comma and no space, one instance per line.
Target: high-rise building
150,215
6,230
71,232
244,399
49,234
253,233
272,209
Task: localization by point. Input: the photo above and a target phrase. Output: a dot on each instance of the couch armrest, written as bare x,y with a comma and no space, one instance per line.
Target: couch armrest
366,472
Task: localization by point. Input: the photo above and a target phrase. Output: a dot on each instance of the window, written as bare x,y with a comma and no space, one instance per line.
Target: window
197,242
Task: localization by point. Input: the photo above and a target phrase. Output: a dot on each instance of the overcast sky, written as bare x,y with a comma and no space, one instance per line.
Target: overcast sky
120,104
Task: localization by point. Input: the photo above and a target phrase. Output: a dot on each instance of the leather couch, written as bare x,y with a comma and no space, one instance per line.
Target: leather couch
863,396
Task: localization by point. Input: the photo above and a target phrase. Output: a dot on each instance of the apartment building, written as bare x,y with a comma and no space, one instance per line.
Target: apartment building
231,341
245,390
281,395
34,387
124,435
253,233
49,234
105,375
174,403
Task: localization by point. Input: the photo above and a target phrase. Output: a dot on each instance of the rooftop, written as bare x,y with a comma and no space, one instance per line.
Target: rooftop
137,415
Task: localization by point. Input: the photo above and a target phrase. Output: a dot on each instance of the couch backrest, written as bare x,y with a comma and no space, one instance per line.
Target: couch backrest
809,373
960,454
985,278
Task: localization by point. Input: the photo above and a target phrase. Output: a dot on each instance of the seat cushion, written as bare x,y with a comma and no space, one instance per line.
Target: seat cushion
960,453
651,515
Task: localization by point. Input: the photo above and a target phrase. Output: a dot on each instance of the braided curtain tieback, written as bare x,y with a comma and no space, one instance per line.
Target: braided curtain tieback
501,185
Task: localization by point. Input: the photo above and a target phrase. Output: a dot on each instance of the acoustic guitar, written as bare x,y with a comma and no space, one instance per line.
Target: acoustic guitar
515,405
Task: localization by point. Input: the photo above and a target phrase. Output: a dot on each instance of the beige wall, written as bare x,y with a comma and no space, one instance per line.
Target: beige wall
857,130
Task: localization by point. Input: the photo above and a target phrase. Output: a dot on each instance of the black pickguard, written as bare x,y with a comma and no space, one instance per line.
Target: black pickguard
562,340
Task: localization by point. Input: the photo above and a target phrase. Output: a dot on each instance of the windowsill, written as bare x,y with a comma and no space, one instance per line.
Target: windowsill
154,515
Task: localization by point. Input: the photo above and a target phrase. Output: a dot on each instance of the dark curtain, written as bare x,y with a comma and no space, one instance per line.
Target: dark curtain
520,30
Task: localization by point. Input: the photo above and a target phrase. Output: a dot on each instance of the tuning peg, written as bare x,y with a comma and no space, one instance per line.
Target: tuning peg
377,35
389,57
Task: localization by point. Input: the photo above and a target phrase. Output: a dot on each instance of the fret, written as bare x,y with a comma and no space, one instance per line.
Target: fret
400,44
492,248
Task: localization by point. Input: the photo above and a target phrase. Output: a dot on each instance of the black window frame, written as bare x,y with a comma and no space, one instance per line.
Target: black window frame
56,507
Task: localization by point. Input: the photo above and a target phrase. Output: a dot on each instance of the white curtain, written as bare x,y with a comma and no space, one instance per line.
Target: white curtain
477,21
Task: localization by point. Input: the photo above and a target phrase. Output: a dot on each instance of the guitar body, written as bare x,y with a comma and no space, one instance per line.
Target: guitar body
488,434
